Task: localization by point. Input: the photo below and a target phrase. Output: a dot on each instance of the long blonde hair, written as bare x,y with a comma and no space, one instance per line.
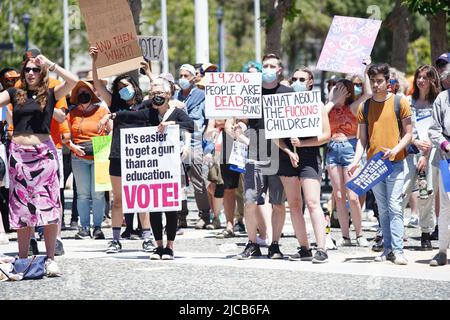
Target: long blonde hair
42,90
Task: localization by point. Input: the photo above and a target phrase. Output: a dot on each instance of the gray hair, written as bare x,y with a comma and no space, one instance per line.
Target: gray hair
446,73
163,83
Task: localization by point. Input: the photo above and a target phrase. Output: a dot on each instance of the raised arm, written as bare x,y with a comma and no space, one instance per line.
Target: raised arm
367,89
101,88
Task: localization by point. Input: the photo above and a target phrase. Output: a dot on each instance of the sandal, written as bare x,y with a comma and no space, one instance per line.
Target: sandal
227,233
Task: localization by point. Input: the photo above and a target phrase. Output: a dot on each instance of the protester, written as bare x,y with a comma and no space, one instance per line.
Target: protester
439,134
83,122
301,174
34,187
342,110
125,95
384,129
160,114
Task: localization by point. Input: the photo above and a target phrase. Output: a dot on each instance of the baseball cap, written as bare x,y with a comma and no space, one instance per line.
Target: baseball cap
208,67
167,76
32,53
189,68
445,57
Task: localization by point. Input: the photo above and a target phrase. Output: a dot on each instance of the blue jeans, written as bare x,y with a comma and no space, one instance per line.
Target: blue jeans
341,153
388,194
83,172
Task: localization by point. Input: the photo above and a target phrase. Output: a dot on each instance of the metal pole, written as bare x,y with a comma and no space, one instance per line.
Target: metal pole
219,15
66,36
26,37
164,36
257,31
201,31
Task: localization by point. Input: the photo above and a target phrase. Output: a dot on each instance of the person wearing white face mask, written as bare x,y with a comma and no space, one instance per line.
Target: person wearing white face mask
194,99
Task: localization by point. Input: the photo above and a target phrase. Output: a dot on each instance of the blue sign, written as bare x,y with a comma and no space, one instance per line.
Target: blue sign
445,174
375,171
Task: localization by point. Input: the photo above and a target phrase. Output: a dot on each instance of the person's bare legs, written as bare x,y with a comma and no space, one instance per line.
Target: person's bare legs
355,205
50,234
229,205
144,218
311,193
23,239
292,189
337,182
261,212
117,214
251,222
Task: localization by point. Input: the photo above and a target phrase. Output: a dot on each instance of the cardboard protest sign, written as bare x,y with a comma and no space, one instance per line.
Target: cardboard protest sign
375,171
102,147
151,169
294,114
110,27
152,48
445,174
348,42
233,94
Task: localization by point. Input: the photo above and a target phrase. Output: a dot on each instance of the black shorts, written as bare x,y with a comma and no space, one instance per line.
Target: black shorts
310,165
230,178
115,168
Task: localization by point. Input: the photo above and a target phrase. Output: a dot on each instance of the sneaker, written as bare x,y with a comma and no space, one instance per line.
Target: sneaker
362,242
400,259
215,224
83,233
167,254
157,253
378,245
52,269
33,249
239,227
251,251
98,234
59,248
262,242
435,233
148,245
303,254
320,256
4,238
107,223
385,256
182,222
439,260
203,221
425,241
413,221
73,225
330,243
274,251
114,247
344,242
180,231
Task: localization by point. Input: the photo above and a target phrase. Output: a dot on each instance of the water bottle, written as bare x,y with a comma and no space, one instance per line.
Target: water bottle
423,187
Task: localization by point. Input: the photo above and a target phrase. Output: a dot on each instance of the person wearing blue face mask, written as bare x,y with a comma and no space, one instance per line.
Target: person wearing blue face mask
194,99
124,96
302,79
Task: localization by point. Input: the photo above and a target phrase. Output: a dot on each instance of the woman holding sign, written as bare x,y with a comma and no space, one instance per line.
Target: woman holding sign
301,173
83,123
33,165
342,109
162,115
125,95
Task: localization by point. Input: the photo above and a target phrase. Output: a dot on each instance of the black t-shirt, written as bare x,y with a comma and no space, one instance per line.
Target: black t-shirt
28,118
258,124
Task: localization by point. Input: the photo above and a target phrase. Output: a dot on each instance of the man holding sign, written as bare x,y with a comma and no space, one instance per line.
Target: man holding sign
380,130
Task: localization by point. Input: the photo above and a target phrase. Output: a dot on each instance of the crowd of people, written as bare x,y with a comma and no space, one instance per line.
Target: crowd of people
362,115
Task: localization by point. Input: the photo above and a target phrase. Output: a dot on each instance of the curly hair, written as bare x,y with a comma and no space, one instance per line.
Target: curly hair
42,89
115,90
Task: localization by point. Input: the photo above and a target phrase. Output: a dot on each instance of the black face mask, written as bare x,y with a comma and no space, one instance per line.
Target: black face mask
158,101
84,97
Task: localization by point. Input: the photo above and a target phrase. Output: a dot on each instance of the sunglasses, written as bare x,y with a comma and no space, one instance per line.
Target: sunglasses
35,70
300,79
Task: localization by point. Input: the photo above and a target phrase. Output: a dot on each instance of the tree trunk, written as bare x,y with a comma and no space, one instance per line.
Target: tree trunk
136,7
400,27
438,35
276,11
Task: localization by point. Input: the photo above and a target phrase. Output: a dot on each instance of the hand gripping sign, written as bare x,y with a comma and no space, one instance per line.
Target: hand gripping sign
151,169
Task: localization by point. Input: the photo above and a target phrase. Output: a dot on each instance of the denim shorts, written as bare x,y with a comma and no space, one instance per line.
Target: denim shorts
341,153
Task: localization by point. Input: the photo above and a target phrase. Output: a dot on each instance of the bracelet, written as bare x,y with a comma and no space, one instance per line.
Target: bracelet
52,67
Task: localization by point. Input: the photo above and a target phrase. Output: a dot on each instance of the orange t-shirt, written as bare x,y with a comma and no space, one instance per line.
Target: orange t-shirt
84,126
56,129
343,122
383,128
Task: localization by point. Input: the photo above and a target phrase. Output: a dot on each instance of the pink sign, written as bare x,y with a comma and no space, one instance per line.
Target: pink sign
348,42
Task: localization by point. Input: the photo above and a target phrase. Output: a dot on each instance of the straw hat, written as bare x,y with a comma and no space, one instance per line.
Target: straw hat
87,85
